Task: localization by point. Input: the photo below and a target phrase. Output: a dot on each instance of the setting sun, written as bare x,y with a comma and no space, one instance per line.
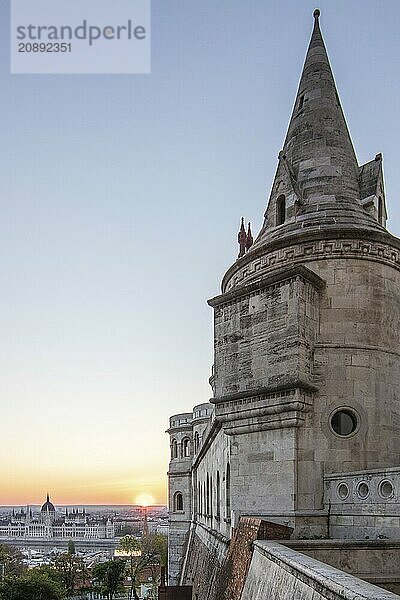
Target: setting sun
144,500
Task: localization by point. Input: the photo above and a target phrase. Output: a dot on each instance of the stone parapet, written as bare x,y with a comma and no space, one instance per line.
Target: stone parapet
283,574
364,504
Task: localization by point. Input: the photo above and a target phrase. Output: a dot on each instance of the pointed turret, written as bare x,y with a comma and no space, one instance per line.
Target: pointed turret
317,183
249,238
242,239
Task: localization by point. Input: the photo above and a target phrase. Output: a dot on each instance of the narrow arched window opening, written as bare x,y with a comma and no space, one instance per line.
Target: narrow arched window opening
228,492
196,441
185,448
178,502
174,449
208,496
211,496
218,507
281,210
380,210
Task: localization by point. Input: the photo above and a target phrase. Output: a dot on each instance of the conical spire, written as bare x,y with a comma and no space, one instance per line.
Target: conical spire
318,131
317,178
318,145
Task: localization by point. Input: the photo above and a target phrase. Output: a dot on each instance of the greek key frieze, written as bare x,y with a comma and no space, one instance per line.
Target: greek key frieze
315,251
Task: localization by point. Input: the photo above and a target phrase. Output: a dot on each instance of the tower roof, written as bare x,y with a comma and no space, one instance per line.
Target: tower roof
318,172
48,506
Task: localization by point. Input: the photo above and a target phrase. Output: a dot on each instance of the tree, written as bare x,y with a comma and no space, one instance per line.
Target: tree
12,561
149,552
109,577
51,573
30,586
71,547
132,547
72,571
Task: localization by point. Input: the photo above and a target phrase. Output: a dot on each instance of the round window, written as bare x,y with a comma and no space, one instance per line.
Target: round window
343,491
363,490
386,489
344,422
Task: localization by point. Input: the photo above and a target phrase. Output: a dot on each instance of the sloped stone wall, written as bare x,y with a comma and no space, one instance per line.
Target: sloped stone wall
206,554
217,570
280,573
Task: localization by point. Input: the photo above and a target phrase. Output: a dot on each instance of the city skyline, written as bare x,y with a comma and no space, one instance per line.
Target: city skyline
115,191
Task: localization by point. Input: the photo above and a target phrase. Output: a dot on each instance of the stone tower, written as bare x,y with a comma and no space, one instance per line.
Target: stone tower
186,433
305,426
179,491
307,371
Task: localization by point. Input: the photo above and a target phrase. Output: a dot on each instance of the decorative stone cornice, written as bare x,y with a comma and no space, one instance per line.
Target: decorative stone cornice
266,392
383,248
277,276
264,409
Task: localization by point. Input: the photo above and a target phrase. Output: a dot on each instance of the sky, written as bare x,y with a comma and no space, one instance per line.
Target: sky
121,198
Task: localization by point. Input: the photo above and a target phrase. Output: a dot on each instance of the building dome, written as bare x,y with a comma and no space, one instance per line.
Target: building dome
48,506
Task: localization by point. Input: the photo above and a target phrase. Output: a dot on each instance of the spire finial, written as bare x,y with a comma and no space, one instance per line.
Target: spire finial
249,238
316,13
242,239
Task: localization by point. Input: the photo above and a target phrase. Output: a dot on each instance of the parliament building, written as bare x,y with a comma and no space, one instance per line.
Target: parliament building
50,524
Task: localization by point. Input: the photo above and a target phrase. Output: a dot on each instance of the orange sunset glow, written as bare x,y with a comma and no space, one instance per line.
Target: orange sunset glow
90,473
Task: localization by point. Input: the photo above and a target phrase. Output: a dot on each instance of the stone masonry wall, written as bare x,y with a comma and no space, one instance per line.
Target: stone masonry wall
377,562
364,504
217,570
356,366
230,583
347,349
206,554
263,336
280,573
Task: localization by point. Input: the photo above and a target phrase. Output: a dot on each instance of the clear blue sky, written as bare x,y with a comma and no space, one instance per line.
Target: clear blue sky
121,198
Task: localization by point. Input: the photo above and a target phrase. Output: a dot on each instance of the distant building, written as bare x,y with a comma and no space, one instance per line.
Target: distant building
51,524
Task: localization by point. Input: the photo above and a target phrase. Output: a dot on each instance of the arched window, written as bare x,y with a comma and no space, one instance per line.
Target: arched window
380,210
218,496
281,210
196,441
211,496
186,448
174,449
208,496
178,502
228,492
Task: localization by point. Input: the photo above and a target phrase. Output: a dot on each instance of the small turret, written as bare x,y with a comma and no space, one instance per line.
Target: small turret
249,238
242,237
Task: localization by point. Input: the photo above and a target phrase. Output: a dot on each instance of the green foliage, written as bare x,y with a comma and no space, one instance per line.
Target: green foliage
71,547
130,545
12,560
51,573
156,545
149,552
72,571
109,577
32,585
